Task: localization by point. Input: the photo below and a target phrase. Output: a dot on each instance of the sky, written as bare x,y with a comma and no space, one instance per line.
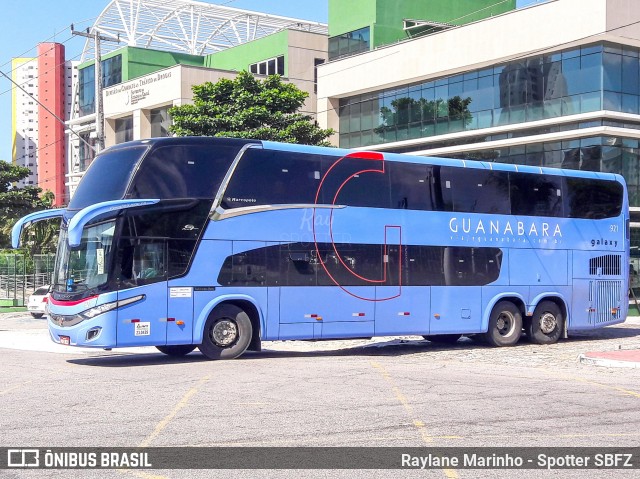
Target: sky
25,23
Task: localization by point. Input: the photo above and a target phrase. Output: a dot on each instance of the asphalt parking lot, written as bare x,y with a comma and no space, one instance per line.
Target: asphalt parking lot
401,392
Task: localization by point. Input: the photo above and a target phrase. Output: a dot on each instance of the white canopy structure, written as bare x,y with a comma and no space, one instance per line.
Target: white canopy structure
186,26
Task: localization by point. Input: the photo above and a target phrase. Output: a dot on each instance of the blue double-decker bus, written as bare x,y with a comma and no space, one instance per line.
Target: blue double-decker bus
221,244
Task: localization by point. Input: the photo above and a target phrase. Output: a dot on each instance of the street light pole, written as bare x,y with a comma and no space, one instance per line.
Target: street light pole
97,38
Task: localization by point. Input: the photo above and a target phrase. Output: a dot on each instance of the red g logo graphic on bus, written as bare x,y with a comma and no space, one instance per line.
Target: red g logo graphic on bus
336,181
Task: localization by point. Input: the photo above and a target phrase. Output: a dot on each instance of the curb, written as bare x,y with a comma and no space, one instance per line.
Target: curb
607,363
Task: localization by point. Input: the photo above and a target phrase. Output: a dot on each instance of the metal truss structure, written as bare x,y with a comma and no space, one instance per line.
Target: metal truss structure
185,26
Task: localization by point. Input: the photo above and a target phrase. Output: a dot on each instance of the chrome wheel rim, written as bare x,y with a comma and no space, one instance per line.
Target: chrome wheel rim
224,333
548,323
506,323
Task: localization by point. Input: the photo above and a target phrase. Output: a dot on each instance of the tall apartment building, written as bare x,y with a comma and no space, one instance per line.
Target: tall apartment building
39,141
24,121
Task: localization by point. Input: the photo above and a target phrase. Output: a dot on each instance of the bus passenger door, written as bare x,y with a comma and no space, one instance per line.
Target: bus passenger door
456,307
404,307
180,313
144,321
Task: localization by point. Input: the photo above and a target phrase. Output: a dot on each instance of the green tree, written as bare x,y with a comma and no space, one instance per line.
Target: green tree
18,202
246,107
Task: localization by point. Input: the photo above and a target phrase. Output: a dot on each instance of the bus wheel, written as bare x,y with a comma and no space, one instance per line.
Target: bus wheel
505,325
176,350
443,338
546,324
227,333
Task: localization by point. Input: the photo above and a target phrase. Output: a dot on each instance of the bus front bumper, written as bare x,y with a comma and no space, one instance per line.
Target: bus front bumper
98,332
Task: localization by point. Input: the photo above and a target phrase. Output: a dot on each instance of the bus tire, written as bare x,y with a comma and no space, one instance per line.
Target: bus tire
443,338
546,324
505,325
176,350
37,315
227,333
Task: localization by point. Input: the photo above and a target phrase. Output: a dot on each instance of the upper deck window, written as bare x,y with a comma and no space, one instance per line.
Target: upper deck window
594,199
536,195
183,171
271,177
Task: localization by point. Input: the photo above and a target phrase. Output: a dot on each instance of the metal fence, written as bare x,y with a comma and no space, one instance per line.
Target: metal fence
21,274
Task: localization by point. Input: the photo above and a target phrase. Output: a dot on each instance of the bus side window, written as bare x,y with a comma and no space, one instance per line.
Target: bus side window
410,186
472,190
588,199
354,185
125,260
471,266
536,195
272,177
142,261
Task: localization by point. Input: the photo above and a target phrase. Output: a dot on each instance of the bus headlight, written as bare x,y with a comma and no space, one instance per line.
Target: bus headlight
106,307
72,320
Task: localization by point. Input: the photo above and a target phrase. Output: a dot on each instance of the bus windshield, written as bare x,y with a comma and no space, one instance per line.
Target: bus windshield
86,267
108,176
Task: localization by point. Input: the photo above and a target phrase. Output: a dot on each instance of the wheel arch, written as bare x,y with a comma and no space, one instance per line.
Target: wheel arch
556,298
515,298
246,303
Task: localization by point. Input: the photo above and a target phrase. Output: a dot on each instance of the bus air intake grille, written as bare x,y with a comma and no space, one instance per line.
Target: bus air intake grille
607,265
605,298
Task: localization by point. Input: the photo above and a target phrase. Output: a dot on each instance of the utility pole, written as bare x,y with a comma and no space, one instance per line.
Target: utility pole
97,38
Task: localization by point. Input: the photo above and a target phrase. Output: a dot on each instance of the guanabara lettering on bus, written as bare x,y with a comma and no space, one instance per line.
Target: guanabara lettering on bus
222,244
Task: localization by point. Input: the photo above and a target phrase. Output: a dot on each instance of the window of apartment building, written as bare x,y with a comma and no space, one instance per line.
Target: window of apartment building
160,122
86,153
111,75
272,66
87,91
349,43
112,71
124,129
316,63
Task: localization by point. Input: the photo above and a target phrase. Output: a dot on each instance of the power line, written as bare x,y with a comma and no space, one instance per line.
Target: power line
46,109
47,40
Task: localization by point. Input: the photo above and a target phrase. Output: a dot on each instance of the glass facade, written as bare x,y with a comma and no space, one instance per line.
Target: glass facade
580,80
111,74
599,153
349,43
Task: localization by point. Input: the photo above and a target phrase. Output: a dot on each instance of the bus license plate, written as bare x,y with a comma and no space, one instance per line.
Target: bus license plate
65,340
